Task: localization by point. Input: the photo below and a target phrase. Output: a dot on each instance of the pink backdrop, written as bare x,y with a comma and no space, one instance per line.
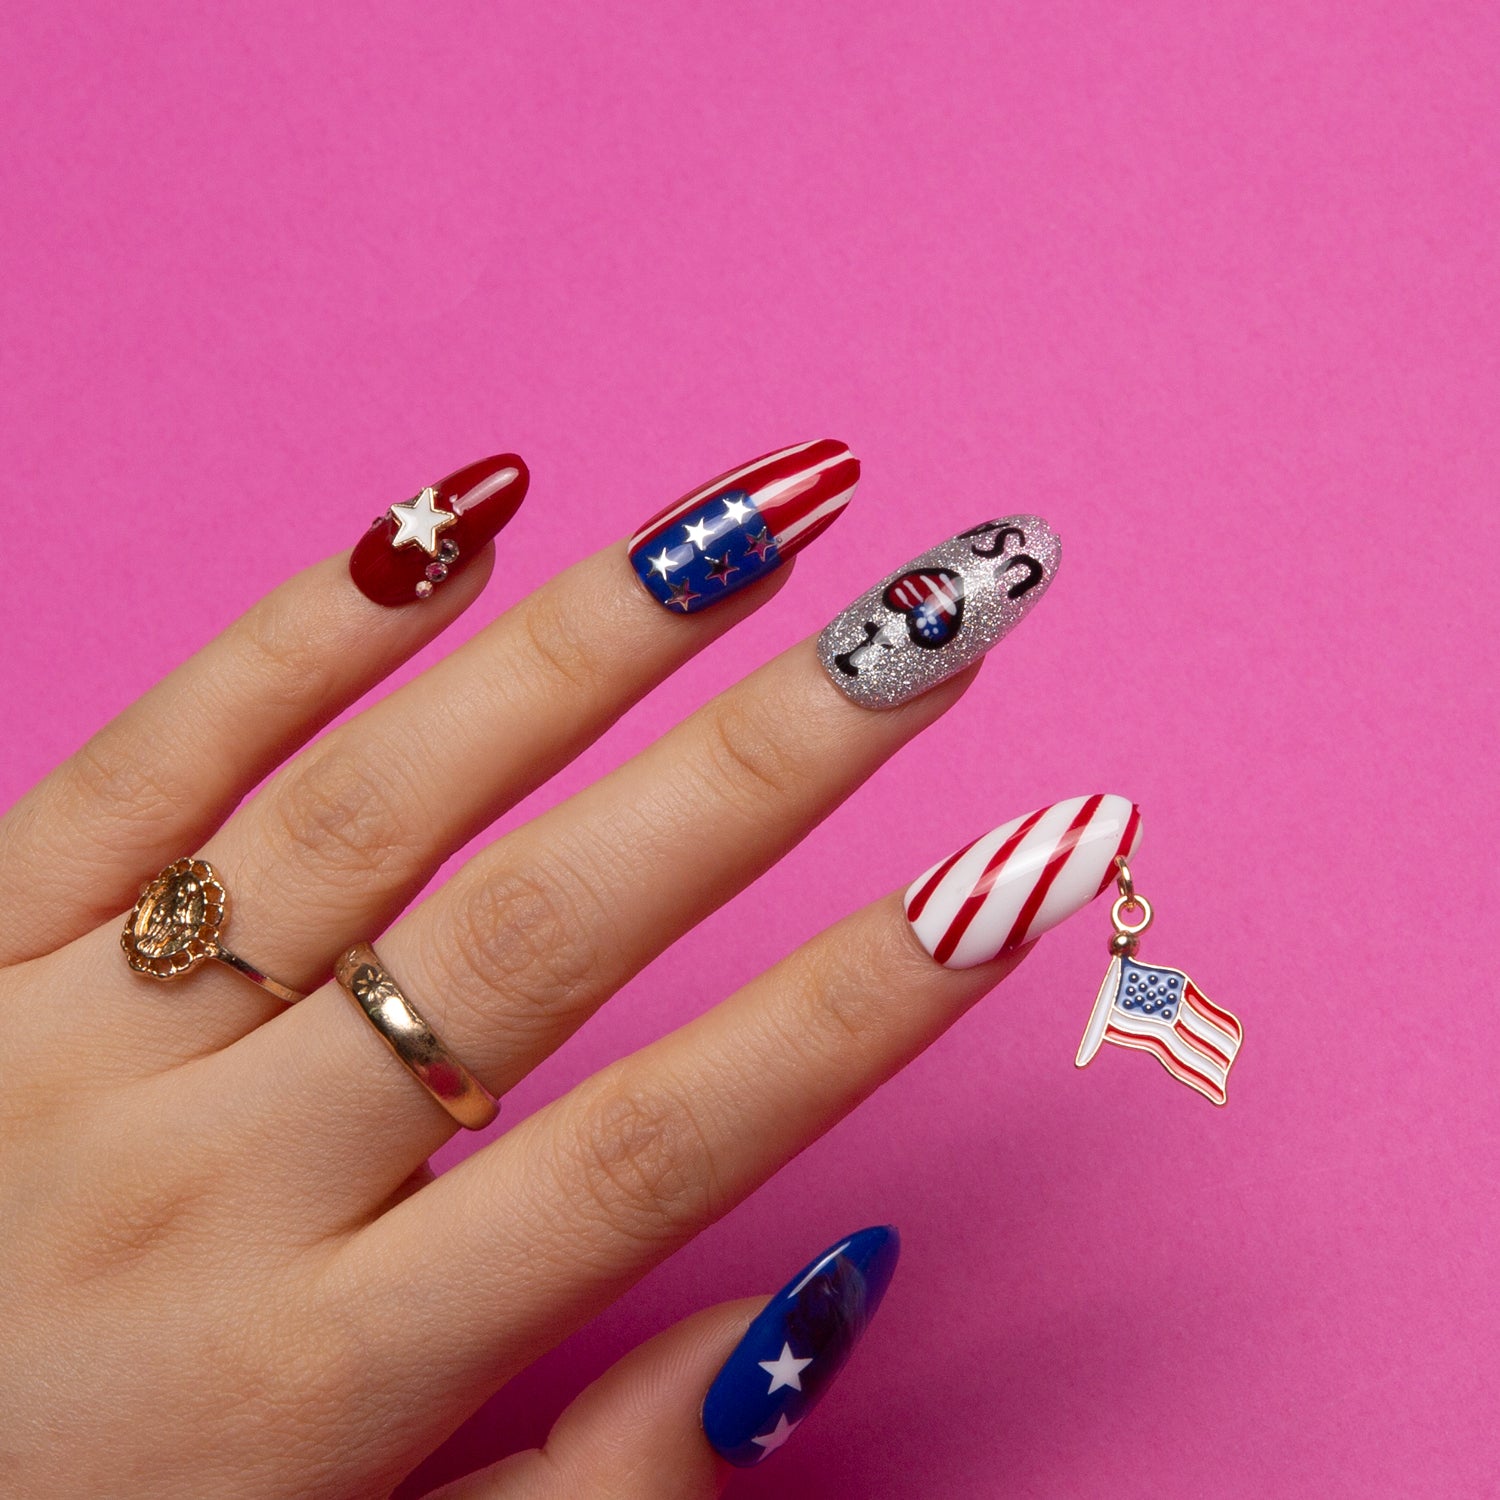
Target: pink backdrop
1213,288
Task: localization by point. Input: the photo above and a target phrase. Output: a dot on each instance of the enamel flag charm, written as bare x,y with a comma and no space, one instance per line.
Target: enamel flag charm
1158,1010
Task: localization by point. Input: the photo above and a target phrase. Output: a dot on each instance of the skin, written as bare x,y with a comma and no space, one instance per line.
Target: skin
228,1270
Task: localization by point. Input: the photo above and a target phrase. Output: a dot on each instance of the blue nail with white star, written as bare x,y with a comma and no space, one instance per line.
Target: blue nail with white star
793,1351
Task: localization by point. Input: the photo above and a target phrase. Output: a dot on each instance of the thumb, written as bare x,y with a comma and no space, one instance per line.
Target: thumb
729,1383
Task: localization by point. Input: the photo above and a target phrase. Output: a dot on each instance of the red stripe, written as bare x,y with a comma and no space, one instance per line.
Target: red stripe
813,532
764,471
1180,1070
781,513
1132,825
976,898
911,593
1202,1044
1211,1012
918,903
1065,846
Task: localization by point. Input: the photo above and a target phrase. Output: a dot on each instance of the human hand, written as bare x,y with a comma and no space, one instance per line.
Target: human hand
229,1271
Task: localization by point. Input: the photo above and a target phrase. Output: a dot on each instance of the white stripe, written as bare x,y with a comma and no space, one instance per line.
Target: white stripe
1083,872
1093,1033
1188,1055
724,482
1173,1068
786,538
1211,1033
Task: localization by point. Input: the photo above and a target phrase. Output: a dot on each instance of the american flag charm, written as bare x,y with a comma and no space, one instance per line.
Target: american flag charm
1159,1010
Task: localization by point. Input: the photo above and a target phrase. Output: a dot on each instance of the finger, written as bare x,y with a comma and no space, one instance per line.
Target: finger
736,1380
154,783
535,933
348,832
556,1218
634,1434
525,943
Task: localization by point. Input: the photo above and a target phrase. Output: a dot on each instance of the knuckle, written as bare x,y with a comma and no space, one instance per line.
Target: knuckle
120,773
558,639
847,1005
527,934
641,1161
344,814
748,754
289,662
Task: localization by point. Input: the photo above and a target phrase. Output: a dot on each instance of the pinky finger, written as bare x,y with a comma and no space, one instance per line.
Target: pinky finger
155,782
725,1387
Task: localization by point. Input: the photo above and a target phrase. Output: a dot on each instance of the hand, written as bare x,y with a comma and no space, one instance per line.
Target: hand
229,1272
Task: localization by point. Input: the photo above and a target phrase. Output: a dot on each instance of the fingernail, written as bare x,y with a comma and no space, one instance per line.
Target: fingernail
1021,880
940,612
791,1353
742,525
418,544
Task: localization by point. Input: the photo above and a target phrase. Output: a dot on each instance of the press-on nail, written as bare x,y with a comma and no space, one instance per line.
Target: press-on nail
1014,884
411,550
794,1349
940,613
742,525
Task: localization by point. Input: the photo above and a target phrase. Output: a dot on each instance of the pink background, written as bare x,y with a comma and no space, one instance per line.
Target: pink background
1213,288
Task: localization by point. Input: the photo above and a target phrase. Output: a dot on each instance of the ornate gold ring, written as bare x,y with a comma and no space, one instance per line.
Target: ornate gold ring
368,983
176,926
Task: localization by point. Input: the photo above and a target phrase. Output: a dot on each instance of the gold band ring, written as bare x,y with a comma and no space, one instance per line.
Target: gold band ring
368,983
176,926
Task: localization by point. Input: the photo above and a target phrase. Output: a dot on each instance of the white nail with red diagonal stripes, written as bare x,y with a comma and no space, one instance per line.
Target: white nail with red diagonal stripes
1021,880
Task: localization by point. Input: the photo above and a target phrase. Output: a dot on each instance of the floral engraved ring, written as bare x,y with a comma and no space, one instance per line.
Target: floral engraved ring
178,922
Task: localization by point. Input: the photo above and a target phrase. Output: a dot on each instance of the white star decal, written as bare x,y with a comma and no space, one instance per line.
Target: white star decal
736,511
419,520
773,1439
662,562
697,534
784,1371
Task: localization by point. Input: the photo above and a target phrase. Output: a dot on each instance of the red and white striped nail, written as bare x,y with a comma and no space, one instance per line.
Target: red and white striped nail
1020,881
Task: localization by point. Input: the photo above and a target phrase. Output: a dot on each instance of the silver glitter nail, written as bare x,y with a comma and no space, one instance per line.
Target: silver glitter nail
940,612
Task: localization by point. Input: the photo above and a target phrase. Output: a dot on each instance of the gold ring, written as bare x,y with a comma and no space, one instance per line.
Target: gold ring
368,983
177,923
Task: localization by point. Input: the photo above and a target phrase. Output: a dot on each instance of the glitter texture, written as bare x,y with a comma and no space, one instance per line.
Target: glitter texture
939,613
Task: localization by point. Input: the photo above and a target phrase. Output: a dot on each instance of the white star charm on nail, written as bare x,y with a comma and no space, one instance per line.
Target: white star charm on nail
785,1371
697,534
736,511
419,520
773,1439
662,562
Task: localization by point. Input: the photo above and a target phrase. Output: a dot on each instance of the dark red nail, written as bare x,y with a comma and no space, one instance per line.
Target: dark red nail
418,544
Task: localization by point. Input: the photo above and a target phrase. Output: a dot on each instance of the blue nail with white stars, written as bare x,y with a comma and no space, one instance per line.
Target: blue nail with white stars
791,1353
737,528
